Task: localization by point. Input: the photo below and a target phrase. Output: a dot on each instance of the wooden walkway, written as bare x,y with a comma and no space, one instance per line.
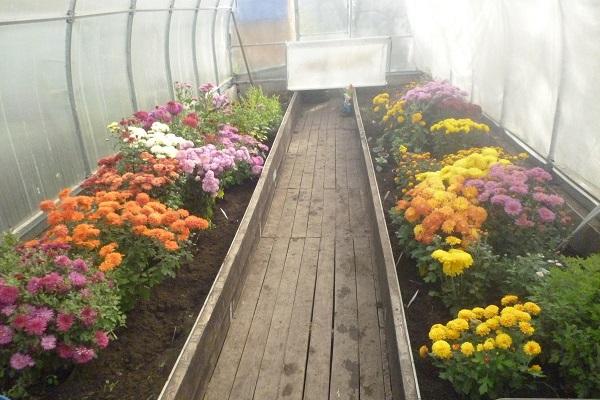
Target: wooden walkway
308,324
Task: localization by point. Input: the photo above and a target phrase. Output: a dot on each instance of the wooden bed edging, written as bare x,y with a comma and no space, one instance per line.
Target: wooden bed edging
196,362
402,367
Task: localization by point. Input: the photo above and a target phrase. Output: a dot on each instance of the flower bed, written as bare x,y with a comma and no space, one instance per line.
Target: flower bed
64,295
476,224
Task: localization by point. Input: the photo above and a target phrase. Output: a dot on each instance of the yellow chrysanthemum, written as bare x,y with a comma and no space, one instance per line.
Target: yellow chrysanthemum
508,320
466,315
526,328
532,308
479,347
489,344
532,348
454,261
509,299
441,349
458,324
467,349
437,332
482,329
452,240
490,311
503,341
423,351
493,323
535,368
452,334
416,117
478,312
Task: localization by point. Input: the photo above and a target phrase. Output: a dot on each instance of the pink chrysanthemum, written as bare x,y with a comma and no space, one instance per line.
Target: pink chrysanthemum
64,322
20,361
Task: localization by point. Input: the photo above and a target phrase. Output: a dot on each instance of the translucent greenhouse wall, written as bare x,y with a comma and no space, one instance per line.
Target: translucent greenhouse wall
266,25
532,65
70,67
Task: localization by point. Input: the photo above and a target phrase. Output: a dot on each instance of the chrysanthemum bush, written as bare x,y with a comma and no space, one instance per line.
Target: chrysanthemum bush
139,240
439,100
55,309
451,135
524,215
488,352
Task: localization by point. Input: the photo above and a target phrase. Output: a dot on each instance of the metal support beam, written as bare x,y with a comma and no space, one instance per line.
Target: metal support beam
70,88
168,50
586,220
132,93
214,46
195,47
237,31
555,124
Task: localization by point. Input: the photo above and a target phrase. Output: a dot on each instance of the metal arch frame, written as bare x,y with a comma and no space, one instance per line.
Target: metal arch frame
128,38
194,46
561,80
70,88
101,14
214,46
168,50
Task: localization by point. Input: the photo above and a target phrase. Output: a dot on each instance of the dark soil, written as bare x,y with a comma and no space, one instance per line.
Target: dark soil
136,366
425,310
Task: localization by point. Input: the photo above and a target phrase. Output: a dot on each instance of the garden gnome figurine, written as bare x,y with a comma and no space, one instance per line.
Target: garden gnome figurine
347,106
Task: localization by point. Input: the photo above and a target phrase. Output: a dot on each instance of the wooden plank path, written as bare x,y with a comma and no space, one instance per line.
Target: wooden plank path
308,325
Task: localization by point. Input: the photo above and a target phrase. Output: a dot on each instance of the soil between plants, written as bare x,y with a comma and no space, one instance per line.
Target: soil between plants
136,366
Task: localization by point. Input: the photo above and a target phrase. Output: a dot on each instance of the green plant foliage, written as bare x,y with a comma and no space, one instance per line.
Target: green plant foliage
257,114
570,300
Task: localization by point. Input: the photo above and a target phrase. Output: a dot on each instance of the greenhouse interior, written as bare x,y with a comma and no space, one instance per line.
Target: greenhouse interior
300,199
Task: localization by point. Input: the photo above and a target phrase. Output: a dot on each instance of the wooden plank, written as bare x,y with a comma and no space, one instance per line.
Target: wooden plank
271,365
371,364
222,379
274,213
316,385
329,206
340,159
359,223
344,360
247,371
342,213
286,222
286,170
315,215
302,211
330,153
291,383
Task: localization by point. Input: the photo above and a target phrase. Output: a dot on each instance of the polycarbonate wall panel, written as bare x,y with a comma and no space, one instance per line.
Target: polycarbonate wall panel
11,10
180,43
379,18
41,152
100,83
204,44
148,56
222,42
323,19
268,23
578,136
533,58
489,59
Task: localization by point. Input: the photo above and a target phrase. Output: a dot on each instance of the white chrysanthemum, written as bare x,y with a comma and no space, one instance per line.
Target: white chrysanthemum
159,127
